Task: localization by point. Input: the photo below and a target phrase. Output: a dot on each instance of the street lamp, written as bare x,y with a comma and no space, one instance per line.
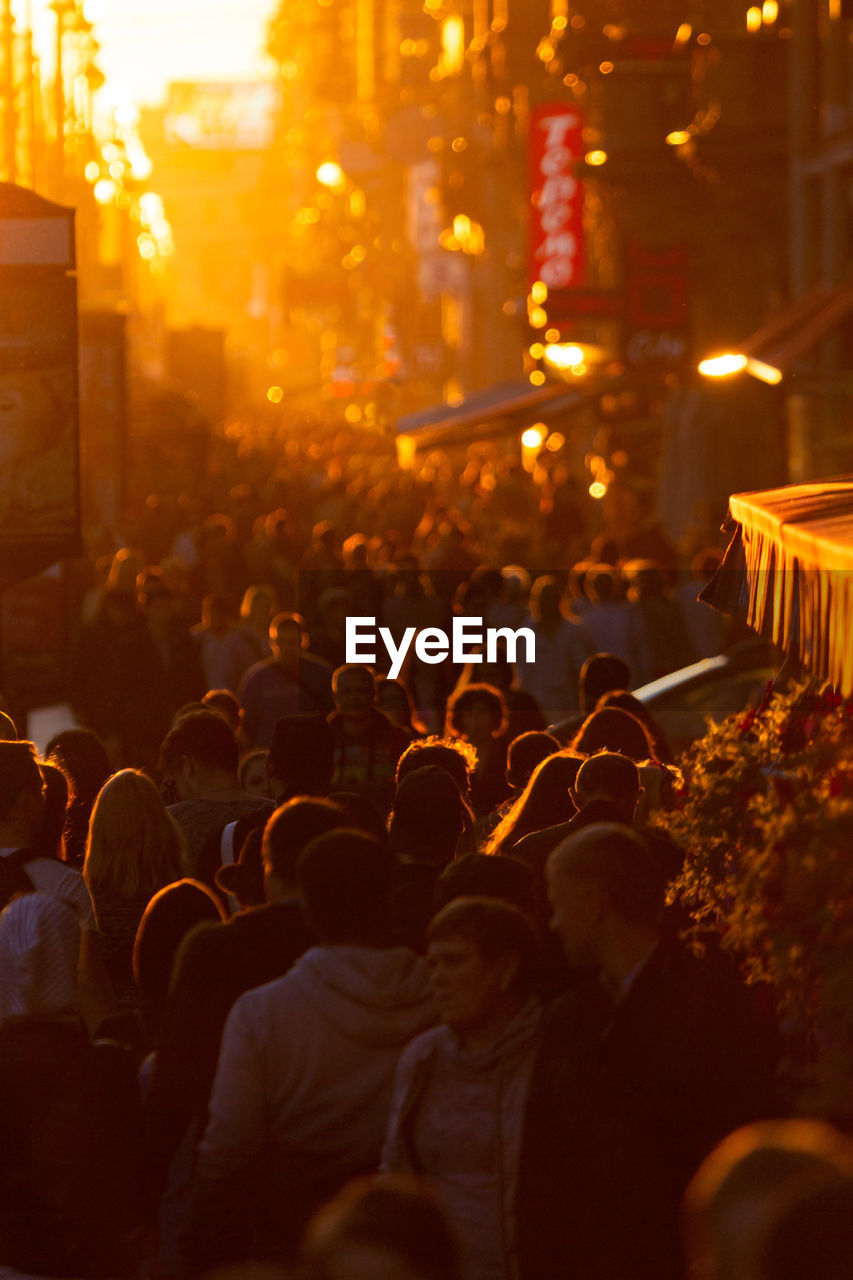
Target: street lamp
726,365
722,366
331,175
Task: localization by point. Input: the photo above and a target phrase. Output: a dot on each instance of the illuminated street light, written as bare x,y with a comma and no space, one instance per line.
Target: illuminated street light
764,372
452,45
532,438
677,138
331,175
597,490
722,366
726,365
562,355
465,236
406,452
105,191
141,166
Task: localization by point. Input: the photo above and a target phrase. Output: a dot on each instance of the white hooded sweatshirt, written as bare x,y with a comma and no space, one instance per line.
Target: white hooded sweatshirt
307,1062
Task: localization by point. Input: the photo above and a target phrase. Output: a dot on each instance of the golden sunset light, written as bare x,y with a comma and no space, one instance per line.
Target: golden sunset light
145,44
426,639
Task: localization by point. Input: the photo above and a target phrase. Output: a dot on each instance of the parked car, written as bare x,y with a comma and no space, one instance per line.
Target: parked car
685,700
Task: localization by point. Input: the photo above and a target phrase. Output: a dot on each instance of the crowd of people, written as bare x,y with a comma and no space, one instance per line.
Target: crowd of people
310,971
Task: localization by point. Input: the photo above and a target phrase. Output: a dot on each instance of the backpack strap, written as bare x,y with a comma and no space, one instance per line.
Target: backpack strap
226,849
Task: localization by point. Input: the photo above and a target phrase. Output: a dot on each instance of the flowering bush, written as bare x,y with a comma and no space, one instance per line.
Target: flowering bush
766,815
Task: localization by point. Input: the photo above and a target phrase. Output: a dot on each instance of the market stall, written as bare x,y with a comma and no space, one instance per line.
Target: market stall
789,571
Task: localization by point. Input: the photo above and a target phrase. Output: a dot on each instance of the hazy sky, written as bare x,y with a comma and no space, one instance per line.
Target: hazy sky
147,43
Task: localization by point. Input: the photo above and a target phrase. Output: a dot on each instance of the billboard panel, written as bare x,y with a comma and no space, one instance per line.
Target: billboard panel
39,482
556,196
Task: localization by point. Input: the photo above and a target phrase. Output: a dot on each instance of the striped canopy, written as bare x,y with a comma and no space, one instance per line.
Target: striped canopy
789,571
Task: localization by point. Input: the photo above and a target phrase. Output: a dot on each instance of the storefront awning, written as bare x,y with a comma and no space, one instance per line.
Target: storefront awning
796,330
789,571
503,408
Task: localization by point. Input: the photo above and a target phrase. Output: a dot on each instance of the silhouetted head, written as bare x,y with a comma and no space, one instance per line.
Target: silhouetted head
613,730
345,879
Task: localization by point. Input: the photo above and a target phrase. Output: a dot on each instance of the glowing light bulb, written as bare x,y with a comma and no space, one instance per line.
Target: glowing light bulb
723,366
564,355
331,175
532,438
105,191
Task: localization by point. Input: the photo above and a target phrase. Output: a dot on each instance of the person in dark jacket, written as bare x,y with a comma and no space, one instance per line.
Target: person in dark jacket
97,671
422,848
199,764
301,757
642,1069
68,1110
290,682
303,1084
478,714
367,744
217,963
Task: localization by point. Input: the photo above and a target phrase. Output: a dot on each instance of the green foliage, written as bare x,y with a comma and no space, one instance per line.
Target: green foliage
766,815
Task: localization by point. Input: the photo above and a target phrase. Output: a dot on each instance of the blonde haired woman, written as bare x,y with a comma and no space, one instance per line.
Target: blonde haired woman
133,850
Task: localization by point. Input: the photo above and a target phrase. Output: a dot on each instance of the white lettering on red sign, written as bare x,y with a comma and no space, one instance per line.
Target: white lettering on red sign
556,196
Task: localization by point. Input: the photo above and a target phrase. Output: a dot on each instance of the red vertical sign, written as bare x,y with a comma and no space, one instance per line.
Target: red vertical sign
556,196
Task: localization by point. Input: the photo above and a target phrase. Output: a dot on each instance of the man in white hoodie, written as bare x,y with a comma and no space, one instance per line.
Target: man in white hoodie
303,1086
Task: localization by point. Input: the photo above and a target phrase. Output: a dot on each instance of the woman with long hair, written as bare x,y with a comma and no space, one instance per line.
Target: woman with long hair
544,802
134,849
